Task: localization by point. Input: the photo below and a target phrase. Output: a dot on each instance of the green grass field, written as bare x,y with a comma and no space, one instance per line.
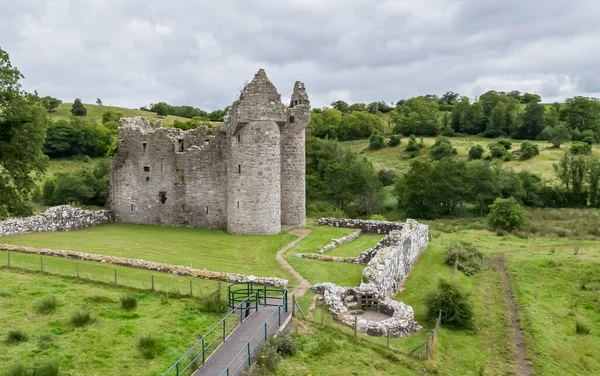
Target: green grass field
95,112
105,347
199,248
395,158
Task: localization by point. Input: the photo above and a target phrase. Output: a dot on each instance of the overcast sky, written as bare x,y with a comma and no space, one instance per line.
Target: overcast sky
131,53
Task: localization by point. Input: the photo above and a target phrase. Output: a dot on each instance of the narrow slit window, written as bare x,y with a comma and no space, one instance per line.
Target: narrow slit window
144,146
146,168
292,119
181,176
147,178
206,209
180,145
239,138
162,195
296,102
131,207
161,167
238,204
239,169
183,208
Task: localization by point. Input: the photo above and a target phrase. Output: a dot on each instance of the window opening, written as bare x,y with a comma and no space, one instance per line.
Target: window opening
206,210
131,207
146,168
163,196
183,208
144,145
180,145
238,204
239,169
181,172
239,138
147,178
292,119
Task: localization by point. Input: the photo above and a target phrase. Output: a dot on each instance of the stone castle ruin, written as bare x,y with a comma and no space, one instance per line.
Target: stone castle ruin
246,176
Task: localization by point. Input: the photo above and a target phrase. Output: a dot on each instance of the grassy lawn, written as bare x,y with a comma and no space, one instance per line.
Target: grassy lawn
199,248
395,158
95,112
107,346
320,271
355,248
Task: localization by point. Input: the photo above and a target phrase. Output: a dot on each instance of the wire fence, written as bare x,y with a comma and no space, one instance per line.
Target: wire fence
425,350
112,275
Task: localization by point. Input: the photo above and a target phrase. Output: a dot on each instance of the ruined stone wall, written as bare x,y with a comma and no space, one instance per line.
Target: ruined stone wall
57,218
395,257
168,176
367,226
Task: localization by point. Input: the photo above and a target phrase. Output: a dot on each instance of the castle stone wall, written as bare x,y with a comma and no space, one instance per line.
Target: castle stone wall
57,218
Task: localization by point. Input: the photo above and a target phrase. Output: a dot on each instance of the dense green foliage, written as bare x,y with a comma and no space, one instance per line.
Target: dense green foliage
506,214
78,109
66,138
394,140
50,103
376,141
441,149
190,112
528,150
476,152
457,309
85,186
23,123
465,255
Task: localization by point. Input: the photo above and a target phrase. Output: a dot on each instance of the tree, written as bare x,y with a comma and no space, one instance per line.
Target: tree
341,106
582,113
533,122
456,309
23,123
477,120
498,121
161,108
506,214
325,124
418,116
78,109
483,185
76,137
358,125
98,102
571,170
556,135
50,103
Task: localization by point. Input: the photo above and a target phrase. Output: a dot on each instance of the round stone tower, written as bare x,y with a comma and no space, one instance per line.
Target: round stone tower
254,167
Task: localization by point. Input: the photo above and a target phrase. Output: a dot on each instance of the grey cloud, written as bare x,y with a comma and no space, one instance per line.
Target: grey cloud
132,53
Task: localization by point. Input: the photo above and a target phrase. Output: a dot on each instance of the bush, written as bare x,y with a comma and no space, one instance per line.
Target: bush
283,344
84,187
46,369
582,328
81,319
394,140
457,310
475,152
506,144
581,148
267,357
413,147
78,108
376,141
506,214
508,157
470,258
528,150
497,151
148,347
128,302
377,217
46,305
15,336
386,177
441,149
16,370
213,303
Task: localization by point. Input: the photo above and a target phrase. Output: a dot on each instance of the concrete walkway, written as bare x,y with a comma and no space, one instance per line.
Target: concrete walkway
235,348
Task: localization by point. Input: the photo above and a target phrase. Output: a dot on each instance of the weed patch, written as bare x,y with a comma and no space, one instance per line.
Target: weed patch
46,305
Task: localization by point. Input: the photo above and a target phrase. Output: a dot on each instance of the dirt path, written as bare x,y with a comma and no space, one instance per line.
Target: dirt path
524,367
304,285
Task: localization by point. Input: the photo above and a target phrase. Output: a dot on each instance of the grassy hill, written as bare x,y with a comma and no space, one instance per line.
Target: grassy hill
94,113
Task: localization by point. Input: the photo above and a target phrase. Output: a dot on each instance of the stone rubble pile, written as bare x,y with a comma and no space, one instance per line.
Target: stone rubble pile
314,256
57,218
149,265
343,240
366,226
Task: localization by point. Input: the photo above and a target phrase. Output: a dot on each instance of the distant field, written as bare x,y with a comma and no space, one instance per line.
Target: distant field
105,347
396,159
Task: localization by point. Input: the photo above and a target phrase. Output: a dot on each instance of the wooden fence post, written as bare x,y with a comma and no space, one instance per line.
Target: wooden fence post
322,314
41,263
389,334
152,278
8,253
77,269
293,305
115,276
355,326
219,289
191,291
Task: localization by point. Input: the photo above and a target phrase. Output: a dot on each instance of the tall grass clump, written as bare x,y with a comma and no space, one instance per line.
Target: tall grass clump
128,302
80,319
148,347
16,370
46,369
45,341
15,336
581,328
213,303
46,305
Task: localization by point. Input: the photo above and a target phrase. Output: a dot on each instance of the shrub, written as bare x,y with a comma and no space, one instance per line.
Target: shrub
46,369
283,344
394,140
497,151
46,305
457,310
581,148
386,177
475,152
581,328
528,150
376,141
80,319
377,217
267,357
15,336
441,149
78,109
508,157
17,370
45,341
148,347
413,147
505,143
470,258
128,302
506,214
213,303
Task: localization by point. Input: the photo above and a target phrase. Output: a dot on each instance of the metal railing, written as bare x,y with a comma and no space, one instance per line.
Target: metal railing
246,351
267,296
217,335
